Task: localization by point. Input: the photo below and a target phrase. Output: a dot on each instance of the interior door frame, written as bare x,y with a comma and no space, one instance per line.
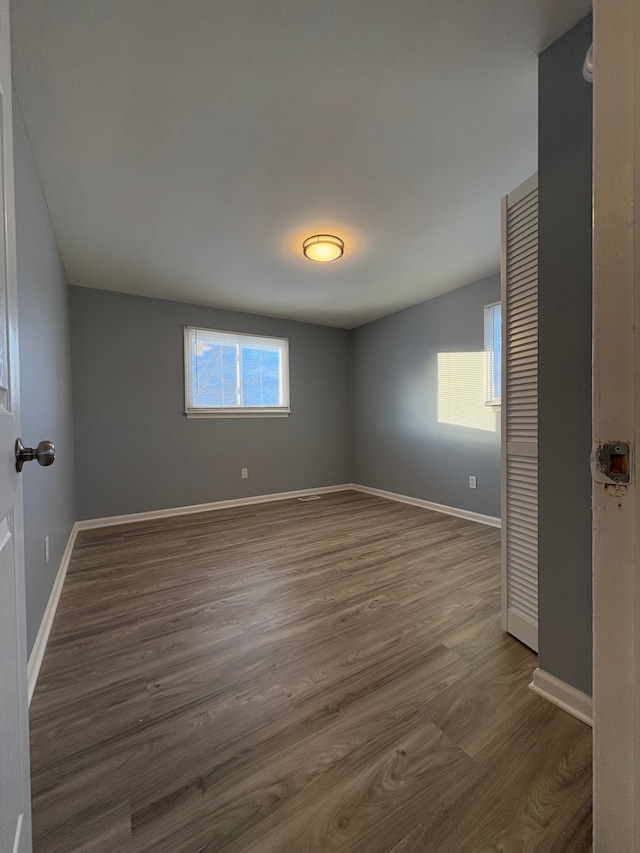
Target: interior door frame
616,417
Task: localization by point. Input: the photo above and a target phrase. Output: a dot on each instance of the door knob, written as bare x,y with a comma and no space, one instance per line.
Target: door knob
45,453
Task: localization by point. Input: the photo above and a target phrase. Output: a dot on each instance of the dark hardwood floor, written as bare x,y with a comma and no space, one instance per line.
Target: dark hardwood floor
291,677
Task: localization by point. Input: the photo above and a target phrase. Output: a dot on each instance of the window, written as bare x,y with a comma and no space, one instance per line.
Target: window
493,349
235,375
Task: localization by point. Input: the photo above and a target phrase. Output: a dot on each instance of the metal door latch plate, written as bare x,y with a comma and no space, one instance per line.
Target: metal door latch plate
611,463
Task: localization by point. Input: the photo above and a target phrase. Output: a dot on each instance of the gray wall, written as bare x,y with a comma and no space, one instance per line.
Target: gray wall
135,449
45,380
565,132
398,443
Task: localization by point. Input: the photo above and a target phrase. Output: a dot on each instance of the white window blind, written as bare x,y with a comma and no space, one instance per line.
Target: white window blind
493,349
231,375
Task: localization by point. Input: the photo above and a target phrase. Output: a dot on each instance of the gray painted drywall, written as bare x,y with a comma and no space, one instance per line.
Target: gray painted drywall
135,449
565,174
398,443
45,381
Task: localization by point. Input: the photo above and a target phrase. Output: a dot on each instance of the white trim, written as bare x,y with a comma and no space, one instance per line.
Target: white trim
563,695
522,628
5,532
40,645
490,520
132,518
18,836
111,520
237,413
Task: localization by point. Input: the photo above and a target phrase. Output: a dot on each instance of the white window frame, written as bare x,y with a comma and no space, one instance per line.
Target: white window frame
490,398
236,339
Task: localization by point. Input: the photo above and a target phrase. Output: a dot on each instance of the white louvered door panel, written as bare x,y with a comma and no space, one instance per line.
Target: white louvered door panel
520,413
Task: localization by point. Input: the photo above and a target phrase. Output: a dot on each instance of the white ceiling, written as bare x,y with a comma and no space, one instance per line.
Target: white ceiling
187,147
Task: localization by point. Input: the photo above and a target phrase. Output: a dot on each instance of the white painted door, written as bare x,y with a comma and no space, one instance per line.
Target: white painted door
15,814
520,412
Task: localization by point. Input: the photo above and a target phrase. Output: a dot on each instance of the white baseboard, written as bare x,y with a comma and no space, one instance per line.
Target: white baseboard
40,645
491,520
110,521
563,695
131,518
522,628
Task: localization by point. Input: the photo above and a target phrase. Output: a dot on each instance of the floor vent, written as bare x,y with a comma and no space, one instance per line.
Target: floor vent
309,498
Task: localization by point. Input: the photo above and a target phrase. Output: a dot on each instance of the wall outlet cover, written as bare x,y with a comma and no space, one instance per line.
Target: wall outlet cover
473,482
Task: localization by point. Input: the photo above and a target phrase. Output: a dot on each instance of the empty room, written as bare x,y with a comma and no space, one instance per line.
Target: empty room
316,487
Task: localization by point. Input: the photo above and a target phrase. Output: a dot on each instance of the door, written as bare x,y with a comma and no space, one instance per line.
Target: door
15,814
616,420
520,413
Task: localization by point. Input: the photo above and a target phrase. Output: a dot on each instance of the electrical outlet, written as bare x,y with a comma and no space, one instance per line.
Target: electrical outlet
245,473
46,549
473,482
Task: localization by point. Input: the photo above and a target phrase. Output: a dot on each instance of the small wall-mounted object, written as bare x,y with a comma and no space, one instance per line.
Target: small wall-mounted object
611,463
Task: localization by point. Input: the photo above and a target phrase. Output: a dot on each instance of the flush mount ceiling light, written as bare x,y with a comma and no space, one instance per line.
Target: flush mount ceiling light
323,248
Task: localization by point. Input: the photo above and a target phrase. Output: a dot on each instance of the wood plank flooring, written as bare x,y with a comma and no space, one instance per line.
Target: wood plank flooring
298,677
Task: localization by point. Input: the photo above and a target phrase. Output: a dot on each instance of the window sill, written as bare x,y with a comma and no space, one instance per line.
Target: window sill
281,413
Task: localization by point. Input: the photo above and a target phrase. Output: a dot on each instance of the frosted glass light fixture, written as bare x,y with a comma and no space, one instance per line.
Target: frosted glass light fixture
323,248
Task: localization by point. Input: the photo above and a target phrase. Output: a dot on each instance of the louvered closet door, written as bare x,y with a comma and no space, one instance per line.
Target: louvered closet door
520,413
